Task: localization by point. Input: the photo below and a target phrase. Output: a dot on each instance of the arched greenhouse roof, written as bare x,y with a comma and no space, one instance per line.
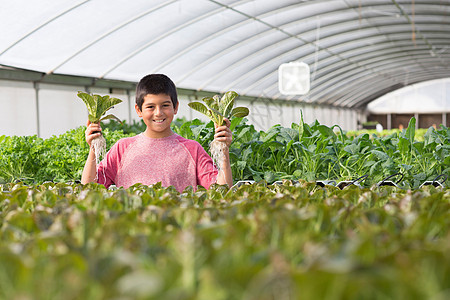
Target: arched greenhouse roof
357,50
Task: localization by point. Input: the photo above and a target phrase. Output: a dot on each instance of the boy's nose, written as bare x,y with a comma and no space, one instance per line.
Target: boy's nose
158,111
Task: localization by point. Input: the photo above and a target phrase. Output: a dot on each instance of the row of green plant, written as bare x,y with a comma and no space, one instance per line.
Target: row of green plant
72,241
303,151
419,135
315,151
35,160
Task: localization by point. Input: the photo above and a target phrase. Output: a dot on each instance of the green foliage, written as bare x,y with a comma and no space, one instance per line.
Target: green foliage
289,241
317,152
303,151
59,158
216,109
195,130
135,127
20,158
98,105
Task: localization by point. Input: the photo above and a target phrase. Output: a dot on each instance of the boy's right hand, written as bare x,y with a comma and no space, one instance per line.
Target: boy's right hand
93,131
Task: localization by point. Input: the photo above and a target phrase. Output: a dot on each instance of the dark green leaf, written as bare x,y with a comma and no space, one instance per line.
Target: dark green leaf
326,131
411,130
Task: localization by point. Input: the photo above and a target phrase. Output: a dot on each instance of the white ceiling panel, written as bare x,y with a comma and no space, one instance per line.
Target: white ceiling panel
356,49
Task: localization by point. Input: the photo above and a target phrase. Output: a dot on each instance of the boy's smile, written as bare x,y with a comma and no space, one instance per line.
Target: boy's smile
157,113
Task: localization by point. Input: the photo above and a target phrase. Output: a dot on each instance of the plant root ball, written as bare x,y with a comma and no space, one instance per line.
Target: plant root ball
217,153
99,146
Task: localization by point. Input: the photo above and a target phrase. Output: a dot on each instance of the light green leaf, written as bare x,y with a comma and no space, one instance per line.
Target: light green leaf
216,99
210,102
373,168
269,136
352,148
326,131
288,134
218,113
227,103
200,107
217,117
341,136
380,155
240,112
269,176
217,109
112,101
97,105
406,167
110,116
93,119
242,133
246,153
89,102
403,146
241,165
288,147
235,122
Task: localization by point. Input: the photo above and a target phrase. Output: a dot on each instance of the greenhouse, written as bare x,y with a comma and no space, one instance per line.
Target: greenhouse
225,149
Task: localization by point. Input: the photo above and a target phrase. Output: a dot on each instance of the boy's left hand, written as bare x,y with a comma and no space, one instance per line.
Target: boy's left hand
223,133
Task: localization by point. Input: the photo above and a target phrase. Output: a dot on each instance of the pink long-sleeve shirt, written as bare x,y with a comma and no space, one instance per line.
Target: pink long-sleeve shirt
172,160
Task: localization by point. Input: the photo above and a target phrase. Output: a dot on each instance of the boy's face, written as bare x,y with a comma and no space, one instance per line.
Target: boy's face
157,113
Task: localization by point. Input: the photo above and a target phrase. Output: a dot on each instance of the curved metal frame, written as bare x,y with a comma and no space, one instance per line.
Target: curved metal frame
346,74
343,76
353,79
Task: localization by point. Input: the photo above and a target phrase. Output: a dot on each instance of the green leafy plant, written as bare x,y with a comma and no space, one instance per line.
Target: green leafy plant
97,107
305,151
20,158
292,240
216,109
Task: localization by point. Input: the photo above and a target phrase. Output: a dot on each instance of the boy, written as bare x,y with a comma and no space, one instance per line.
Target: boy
157,154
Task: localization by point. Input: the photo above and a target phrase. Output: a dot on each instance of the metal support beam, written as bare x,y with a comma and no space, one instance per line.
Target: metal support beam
416,115
129,106
38,126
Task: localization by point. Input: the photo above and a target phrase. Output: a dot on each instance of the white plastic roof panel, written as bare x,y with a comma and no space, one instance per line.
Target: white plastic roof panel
357,50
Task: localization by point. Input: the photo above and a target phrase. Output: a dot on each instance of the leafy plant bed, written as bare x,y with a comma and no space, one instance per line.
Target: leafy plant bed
259,241
311,152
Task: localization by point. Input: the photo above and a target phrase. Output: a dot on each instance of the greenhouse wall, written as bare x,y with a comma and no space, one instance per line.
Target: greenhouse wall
44,109
428,102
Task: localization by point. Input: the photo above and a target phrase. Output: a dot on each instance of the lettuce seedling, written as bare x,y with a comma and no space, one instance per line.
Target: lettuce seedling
97,107
216,109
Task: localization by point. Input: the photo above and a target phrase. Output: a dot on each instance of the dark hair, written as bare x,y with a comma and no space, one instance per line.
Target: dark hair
156,84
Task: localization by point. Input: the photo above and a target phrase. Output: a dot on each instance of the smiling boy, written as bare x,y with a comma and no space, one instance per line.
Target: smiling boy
157,154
